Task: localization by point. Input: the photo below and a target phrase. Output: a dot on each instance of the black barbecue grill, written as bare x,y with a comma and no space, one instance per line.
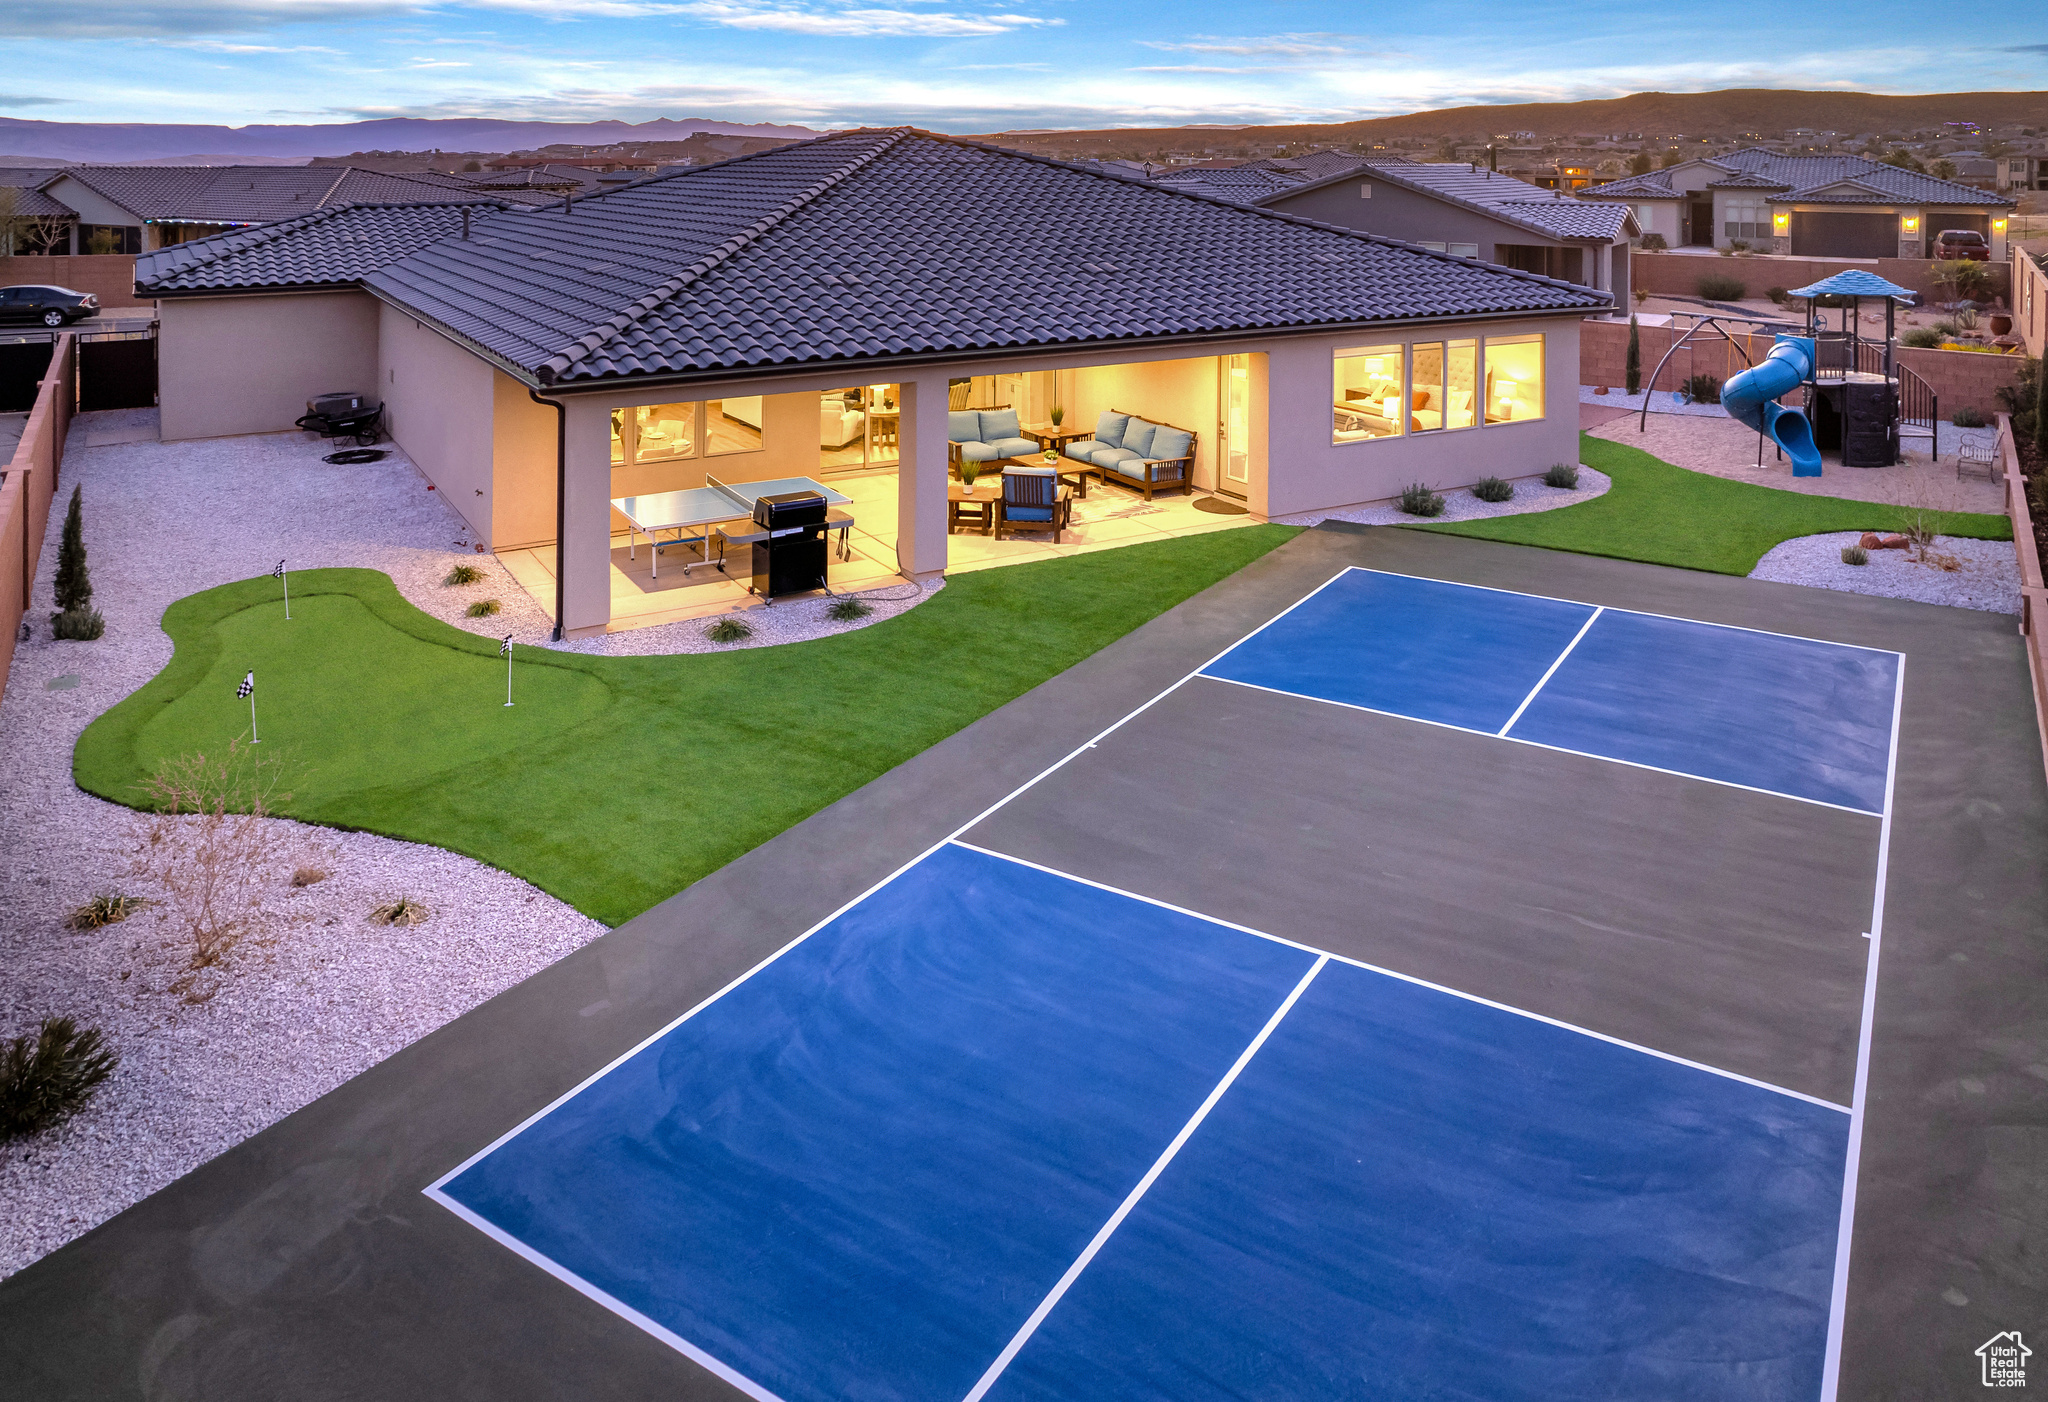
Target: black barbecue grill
789,544
343,416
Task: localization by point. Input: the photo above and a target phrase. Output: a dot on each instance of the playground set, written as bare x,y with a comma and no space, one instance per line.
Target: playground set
1856,397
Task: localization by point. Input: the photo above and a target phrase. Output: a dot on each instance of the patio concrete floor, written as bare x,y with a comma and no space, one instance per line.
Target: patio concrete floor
1110,516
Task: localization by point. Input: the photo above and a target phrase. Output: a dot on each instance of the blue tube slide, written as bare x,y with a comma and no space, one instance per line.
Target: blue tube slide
1749,397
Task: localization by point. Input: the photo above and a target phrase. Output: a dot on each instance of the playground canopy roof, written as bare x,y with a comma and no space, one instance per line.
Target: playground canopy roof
1856,282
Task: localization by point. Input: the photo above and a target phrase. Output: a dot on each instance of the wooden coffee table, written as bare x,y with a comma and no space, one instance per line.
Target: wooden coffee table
1072,472
973,506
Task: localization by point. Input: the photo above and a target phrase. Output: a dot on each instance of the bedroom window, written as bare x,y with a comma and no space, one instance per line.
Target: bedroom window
1514,378
1369,393
1442,393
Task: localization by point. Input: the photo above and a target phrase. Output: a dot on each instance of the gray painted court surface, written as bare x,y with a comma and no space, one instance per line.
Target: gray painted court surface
1716,924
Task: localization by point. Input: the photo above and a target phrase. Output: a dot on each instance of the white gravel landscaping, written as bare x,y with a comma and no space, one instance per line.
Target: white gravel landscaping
1460,505
1988,576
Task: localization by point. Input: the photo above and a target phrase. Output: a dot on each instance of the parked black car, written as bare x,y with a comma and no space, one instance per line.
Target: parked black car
52,306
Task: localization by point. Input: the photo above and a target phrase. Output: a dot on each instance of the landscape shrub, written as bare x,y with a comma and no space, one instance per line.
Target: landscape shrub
1969,418
1721,287
76,620
482,608
46,1076
1562,474
1418,500
1493,489
728,630
308,876
1921,338
849,609
1738,245
1702,388
1633,371
463,574
1855,555
403,911
1655,243
1781,295
78,625
108,908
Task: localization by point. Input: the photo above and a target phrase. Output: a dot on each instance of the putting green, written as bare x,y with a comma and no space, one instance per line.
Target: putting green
612,782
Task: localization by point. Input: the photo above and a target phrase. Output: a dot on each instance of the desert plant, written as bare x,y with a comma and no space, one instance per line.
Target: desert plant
728,630
1921,338
107,908
1855,555
1968,418
1702,388
48,1075
1493,489
78,625
482,608
207,847
308,876
1738,245
1720,287
1966,318
1642,295
463,574
1782,296
2017,398
1562,474
1418,500
849,609
403,911
1633,368
73,585
1655,243
1945,326
1963,278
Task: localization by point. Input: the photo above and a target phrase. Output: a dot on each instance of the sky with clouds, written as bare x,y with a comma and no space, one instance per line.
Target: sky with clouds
953,65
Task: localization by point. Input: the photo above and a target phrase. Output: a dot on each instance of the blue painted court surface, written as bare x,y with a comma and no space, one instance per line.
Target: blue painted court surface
994,1131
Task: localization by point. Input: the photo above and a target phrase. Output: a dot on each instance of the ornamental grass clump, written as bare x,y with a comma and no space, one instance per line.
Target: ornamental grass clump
403,911
1855,555
463,574
1493,489
1418,500
482,608
46,1076
107,908
728,630
1562,474
849,609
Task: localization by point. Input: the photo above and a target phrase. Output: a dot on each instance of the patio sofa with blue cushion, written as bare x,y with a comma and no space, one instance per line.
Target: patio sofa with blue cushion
1138,453
984,435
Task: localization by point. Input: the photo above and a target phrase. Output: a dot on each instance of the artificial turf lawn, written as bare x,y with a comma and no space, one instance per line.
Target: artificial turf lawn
613,782
1667,515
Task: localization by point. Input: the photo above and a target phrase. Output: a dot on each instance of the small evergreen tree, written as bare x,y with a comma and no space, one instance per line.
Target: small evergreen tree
74,584
1635,355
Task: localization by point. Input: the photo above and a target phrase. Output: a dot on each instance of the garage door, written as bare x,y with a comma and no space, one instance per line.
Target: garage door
1826,234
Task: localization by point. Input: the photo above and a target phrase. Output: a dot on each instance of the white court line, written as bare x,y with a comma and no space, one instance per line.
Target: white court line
1411,978
1116,1218
1544,680
1838,1301
1641,613
1556,749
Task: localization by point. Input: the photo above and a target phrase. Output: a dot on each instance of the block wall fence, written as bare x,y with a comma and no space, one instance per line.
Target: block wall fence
1679,274
108,276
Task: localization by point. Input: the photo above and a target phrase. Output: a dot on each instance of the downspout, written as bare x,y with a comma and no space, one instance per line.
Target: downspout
561,494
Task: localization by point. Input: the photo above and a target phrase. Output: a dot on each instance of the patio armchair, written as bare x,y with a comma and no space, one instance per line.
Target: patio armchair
1138,453
1034,500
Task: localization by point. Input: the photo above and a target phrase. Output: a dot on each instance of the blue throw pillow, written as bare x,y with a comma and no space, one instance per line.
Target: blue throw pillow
1138,437
997,424
964,425
1170,443
1110,428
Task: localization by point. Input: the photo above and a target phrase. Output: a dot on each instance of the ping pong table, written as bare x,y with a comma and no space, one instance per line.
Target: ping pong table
703,509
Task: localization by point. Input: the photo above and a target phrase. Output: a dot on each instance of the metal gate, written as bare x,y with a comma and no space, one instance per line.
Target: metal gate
24,360
117,370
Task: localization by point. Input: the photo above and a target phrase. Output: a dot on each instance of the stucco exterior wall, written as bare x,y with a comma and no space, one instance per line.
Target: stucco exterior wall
1177,392
1307,472
438,406
1402,214
249,364
522,488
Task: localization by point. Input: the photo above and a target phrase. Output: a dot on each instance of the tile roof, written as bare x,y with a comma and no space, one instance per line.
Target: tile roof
1512,201
548,177
1813,179
327,248
1638,187
1570,218
879,243
253,194
31,203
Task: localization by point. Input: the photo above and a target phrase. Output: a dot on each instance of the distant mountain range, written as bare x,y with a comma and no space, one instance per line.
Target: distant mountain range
150,141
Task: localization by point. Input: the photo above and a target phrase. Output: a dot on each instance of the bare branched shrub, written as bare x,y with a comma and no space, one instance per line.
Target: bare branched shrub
1920,507
208,847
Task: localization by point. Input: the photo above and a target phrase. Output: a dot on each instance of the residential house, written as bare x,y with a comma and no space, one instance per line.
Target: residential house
1454,207
30,221
735,319
133,209
1809,206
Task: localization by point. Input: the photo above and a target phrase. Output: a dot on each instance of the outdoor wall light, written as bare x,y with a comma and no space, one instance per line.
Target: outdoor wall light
1998,226
1909,223
1781,222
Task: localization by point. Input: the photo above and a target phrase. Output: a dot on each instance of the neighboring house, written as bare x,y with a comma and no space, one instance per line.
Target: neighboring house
30,221
558,357
549,179
1454,208
133,209
1809,206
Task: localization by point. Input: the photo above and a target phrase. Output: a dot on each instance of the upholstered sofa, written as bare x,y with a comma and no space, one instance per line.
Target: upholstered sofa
984,435
1138,453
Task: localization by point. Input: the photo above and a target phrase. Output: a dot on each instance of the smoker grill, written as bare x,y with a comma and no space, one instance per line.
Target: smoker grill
789,544
343,416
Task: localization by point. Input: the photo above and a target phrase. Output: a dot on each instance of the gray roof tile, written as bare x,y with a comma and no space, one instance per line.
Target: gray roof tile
256,194
327,248
1807,180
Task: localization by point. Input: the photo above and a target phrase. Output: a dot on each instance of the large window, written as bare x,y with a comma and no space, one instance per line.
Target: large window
1441,395
1747,219
1514,378
654,433
1370,394
733,425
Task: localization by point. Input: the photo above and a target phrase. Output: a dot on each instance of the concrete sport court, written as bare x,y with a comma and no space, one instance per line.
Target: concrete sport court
1415,968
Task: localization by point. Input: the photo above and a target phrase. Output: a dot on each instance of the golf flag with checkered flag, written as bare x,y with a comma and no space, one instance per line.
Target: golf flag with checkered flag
279,573
505,651
247,692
